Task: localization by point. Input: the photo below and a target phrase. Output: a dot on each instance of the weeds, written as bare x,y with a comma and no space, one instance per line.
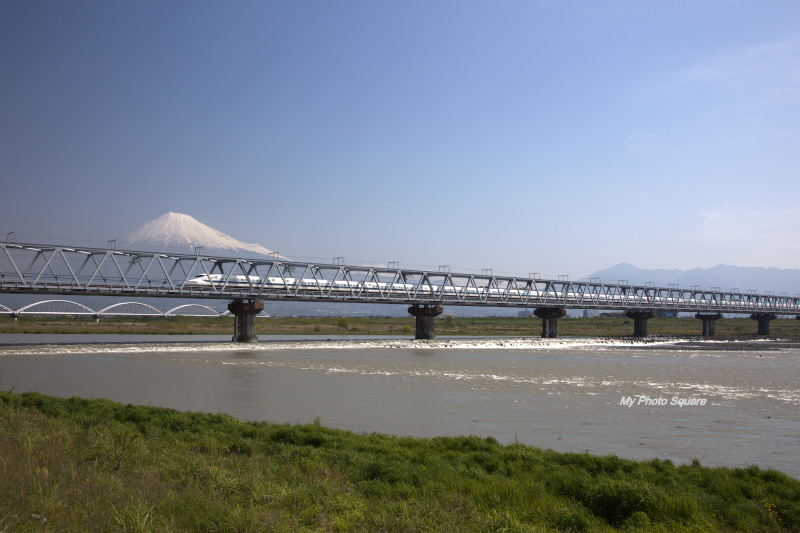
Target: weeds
123,438
94,465
137,517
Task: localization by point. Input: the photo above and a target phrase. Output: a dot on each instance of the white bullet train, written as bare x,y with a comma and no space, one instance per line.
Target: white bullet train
532,294
256,282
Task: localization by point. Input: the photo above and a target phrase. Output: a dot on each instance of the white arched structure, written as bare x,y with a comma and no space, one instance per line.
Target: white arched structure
187,310
67,307
56,307
130,309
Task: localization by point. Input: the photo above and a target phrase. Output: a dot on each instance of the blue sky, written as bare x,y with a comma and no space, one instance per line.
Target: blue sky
541,136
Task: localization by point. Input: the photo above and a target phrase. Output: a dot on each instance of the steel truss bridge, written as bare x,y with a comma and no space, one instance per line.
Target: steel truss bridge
70,270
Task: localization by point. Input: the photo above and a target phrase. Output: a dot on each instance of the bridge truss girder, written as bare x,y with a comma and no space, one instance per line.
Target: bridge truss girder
47,269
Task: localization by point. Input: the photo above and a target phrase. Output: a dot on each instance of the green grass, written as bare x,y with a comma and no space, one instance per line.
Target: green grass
95,465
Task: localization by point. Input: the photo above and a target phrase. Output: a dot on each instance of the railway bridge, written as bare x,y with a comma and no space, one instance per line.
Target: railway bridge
247,283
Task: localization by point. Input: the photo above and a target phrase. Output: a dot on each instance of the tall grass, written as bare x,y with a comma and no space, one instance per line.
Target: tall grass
95,465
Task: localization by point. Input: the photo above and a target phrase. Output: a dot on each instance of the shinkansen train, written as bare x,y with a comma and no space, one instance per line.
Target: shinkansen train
208,280
256,282
529,294
371,287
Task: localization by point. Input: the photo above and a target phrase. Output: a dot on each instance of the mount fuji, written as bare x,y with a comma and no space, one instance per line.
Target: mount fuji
176,232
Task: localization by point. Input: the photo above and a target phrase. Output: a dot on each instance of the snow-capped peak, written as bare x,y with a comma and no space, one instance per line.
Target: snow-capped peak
176,232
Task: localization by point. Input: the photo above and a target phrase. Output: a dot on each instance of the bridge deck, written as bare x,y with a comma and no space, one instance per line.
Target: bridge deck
48,269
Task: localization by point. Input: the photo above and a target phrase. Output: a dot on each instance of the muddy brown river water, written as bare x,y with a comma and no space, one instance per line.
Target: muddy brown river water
731,404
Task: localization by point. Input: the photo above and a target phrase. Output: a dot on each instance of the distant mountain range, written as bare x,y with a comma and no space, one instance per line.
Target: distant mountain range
176,232
726,277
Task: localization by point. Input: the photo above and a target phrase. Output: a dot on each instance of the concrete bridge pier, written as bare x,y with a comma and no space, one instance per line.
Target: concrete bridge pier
709,323
763,321
640,319
549,316
425,314
244,325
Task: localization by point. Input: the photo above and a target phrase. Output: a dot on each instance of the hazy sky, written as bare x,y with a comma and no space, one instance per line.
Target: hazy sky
558,137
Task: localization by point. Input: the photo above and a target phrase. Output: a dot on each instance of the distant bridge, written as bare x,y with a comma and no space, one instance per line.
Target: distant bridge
69,270
138,309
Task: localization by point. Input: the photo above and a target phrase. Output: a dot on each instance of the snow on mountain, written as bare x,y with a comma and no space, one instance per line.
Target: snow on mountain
176,232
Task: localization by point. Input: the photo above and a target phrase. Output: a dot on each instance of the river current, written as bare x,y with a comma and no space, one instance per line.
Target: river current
723,403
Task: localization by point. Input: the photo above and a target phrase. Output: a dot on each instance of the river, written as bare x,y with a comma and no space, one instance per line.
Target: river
724,403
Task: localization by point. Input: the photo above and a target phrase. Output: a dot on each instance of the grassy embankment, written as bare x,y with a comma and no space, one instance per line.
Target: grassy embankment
95,465
567,327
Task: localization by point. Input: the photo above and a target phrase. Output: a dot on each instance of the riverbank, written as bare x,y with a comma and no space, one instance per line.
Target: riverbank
729,328
95,465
